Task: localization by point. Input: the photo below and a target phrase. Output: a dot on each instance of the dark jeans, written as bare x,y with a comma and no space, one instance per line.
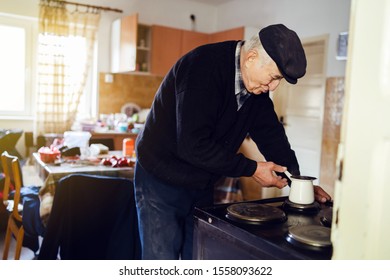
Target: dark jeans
165,215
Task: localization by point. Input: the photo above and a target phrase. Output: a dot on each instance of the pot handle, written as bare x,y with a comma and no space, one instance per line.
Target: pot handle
288,174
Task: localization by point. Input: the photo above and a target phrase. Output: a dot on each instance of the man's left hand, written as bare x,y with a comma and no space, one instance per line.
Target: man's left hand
321,195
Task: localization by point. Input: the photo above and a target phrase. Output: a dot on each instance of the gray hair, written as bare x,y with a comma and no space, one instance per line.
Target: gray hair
254,43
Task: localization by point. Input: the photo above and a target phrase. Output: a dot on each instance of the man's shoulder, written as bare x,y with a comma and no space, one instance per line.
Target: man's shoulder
217,46
210,53
206,61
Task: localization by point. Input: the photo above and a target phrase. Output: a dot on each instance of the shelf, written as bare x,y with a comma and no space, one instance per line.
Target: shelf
130,45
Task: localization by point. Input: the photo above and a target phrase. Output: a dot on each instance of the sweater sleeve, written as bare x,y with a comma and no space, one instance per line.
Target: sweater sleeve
270,137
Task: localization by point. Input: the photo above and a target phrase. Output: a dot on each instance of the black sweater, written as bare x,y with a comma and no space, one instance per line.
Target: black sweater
193,131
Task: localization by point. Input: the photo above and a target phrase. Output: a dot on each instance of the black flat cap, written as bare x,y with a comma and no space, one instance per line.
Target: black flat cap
285,48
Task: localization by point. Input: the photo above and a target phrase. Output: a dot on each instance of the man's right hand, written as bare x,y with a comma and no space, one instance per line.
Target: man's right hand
265,175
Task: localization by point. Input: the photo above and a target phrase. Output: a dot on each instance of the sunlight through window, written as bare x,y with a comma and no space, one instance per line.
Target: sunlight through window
12,68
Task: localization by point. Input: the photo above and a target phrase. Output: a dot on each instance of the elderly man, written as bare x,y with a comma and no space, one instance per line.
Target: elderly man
206,105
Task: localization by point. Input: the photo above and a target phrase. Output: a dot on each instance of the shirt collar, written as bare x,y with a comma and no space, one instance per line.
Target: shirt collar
239,83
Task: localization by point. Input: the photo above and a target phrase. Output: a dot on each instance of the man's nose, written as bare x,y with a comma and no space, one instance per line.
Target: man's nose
273,85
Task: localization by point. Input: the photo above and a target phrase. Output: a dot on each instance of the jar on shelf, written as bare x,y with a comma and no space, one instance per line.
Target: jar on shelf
144,67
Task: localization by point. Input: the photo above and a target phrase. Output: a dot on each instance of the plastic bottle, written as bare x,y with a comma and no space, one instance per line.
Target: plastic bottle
128,147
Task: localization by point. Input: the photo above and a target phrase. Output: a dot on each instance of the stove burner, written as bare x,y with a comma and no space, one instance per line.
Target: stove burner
290,206
310,236
256,214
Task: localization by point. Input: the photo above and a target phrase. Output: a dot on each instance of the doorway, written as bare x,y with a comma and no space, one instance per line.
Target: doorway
301,108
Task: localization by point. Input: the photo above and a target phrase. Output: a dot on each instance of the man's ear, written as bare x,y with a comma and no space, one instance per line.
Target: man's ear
250,56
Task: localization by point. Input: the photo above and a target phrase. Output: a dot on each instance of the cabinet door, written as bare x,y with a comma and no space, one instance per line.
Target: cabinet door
166,48
192,39
123,44
231,34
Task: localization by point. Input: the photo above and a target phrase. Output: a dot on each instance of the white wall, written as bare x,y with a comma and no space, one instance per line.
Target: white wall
20,7
309,18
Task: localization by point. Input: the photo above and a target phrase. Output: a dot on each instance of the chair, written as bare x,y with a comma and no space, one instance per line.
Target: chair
8,141
29,143
92,218
13,177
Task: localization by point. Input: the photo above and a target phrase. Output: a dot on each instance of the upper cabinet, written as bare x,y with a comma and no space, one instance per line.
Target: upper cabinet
166,48
130,45
144,44
169,44
231,34
154,49
193,39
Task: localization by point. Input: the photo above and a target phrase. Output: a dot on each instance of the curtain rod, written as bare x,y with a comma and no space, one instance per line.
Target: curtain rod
92,6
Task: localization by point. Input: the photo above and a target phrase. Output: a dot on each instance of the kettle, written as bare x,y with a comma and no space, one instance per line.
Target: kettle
301,189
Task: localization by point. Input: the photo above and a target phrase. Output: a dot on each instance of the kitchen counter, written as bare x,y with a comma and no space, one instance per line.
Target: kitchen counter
111,138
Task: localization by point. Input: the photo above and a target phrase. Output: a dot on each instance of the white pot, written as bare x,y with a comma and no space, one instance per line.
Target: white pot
302,189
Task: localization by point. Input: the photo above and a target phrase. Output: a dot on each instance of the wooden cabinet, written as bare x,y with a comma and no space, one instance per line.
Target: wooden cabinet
115,137
231,34
154,49
130,45
169,44
166,48
192,39
144,44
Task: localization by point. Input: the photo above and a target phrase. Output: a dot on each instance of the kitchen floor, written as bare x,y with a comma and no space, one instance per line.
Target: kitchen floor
26,254
30,177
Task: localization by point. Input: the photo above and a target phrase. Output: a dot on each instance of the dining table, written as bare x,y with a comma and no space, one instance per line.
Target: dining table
51,173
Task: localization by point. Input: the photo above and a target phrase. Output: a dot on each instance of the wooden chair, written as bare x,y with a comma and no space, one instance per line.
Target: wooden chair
29,143
8,142
13,176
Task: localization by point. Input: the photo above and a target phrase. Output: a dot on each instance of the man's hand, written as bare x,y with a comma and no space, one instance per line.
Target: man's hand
265,175
321,195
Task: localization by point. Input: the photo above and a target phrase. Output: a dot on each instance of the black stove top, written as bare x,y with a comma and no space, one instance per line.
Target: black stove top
217,236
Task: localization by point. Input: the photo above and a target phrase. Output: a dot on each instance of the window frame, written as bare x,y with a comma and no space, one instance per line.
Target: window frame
30,25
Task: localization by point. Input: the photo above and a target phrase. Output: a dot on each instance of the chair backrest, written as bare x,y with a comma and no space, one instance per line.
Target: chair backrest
9,140
13,177
92,217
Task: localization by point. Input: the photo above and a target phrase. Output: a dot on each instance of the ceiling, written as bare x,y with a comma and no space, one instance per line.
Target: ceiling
212,2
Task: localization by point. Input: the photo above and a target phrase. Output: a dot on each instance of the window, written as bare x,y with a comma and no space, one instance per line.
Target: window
18,69
17,85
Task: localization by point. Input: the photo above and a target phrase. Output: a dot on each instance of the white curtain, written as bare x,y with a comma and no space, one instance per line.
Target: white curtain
65,52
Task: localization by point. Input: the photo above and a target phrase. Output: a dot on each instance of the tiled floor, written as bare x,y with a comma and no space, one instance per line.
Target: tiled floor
29,178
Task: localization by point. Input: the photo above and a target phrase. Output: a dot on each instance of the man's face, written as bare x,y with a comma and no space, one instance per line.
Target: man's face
259,77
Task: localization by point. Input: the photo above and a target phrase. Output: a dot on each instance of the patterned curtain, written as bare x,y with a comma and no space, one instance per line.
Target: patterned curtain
65,52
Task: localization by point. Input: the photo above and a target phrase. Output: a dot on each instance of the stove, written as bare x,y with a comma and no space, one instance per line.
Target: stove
241,231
